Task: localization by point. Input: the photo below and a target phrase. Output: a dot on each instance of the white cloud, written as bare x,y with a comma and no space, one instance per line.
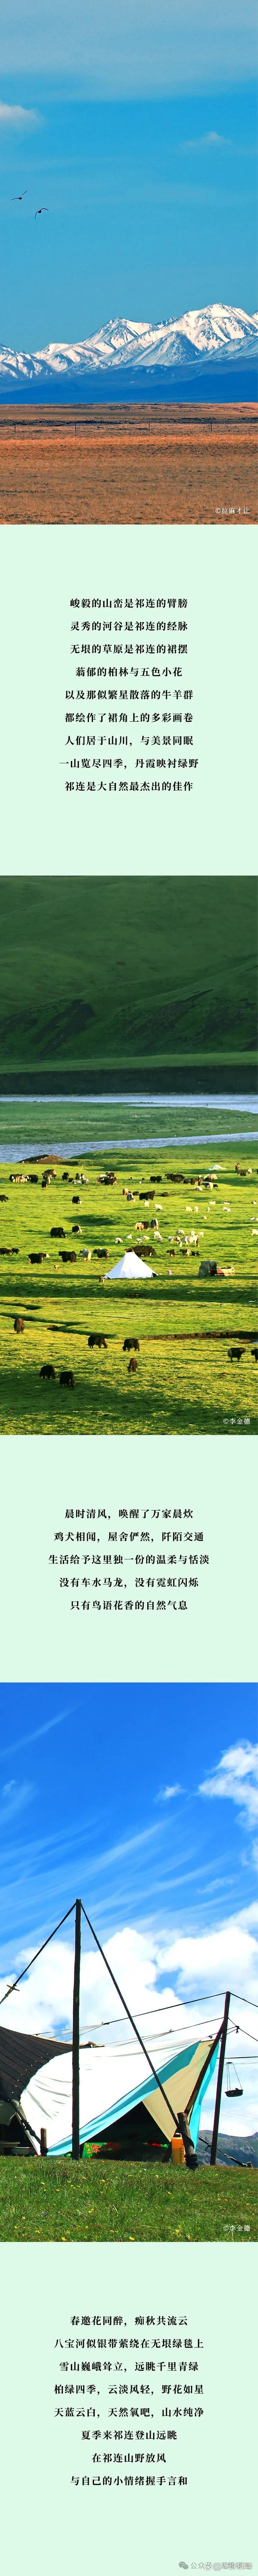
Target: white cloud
18,115
44,2000
236,1777
169,1793
202,1963
225,1956
197,143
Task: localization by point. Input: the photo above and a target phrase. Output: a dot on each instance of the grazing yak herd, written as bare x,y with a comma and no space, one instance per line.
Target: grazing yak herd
96,1342
144,1240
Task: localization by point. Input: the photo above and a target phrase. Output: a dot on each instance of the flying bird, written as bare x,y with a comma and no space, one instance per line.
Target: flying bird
41,210
17,201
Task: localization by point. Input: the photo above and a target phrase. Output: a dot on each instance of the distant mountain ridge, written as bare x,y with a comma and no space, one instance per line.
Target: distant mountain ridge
233,2150
216,332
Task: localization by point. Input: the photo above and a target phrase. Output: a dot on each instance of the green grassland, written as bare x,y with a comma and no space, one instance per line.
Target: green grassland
52,2199
73,1127
104,977
184,1379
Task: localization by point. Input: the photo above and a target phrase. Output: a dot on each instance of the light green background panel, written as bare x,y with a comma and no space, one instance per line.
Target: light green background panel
43,1639
46,2522
45,828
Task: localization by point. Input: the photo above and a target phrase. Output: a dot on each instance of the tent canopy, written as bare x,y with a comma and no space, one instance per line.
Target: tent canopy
49,2095
21,2055
130,1268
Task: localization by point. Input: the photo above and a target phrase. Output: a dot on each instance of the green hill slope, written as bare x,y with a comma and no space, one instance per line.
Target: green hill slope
122,976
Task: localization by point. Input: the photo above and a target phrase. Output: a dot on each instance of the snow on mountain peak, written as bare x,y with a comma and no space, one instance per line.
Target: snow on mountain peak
215,330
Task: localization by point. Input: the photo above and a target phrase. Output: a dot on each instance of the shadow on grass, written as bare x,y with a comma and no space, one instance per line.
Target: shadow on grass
106,1410
204,1300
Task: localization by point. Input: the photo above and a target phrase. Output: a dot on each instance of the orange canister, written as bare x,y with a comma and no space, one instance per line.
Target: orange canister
178,2152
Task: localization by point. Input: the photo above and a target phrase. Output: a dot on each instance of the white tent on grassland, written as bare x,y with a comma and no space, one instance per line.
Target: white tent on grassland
139,2114
130,1268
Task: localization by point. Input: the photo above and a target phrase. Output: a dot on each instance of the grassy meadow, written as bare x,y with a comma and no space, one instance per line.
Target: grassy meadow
52,2198
108,982
184,1380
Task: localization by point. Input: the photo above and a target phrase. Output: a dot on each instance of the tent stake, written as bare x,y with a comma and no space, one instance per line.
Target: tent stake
214,2141
76,2033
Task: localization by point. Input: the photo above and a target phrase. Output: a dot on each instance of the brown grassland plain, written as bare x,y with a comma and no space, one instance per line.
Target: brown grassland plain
125,465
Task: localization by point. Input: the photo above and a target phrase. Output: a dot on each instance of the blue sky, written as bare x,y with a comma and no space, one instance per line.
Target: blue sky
130,47
144,1801
151,201
86,1806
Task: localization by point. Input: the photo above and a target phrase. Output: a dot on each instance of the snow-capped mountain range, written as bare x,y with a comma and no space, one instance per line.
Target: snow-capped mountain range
218,331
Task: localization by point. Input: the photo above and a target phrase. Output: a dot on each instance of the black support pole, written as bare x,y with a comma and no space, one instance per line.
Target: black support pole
76,2033
214,2141
159,2085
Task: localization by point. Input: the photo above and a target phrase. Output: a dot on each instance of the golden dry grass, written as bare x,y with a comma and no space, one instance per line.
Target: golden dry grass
112,474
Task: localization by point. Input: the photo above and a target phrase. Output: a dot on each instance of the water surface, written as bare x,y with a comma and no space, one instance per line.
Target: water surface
111,1124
